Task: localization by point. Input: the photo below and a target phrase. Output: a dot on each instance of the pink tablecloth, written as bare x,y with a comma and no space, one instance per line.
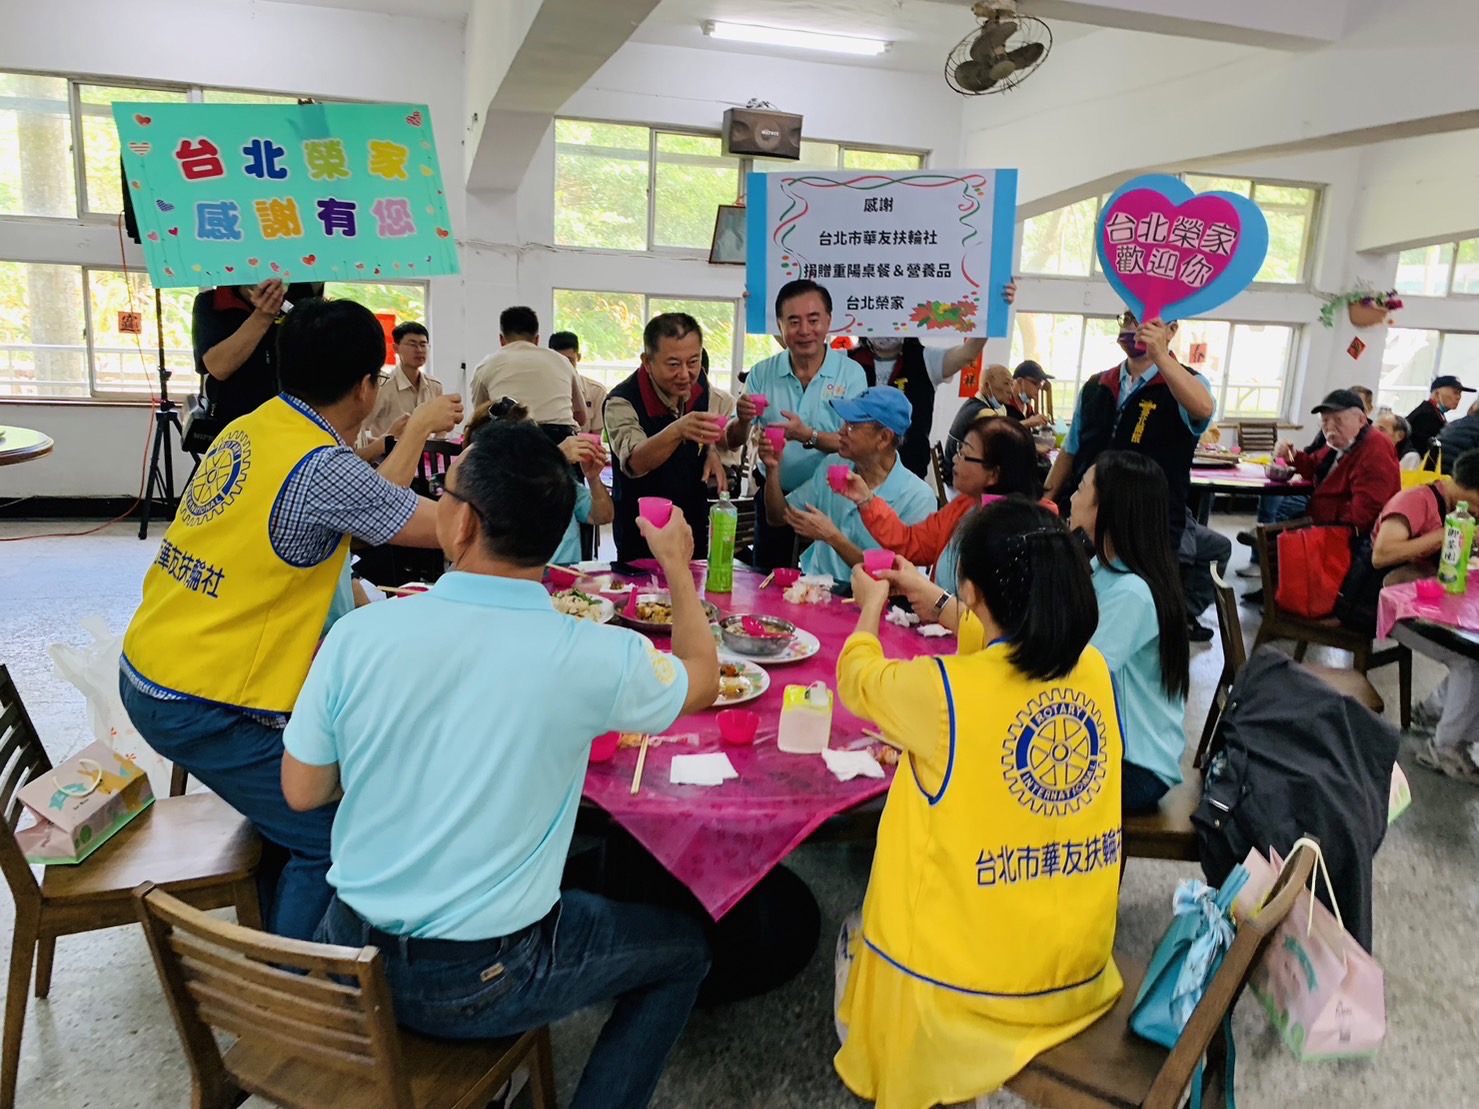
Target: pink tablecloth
719,841
1245,476
1400,602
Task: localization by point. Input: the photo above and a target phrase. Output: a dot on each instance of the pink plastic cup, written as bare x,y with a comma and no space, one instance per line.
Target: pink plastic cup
786,576
877,561
592,438
777,437
1429,589
737,727
603,747
760,401
837,475
657,511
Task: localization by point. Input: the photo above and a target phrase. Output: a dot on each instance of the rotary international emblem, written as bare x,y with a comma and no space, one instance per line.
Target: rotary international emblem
219,480
1053,756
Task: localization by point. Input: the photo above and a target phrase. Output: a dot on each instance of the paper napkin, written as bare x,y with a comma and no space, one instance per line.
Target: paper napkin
711,769
848,765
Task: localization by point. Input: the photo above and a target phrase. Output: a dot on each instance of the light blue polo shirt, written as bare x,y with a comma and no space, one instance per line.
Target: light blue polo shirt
1129,639
569,549
1128,388
839,376
462,769
910,498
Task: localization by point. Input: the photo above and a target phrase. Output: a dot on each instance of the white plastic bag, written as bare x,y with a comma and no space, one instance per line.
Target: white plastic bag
94,670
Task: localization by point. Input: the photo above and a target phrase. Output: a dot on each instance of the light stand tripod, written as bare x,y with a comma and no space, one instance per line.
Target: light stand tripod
166,416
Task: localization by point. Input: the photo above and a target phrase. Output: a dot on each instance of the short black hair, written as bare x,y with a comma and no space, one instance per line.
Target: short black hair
517,322
564,340
1466,472
410,327
800,287
669,325
520,485
1034,577
1009,447
325,348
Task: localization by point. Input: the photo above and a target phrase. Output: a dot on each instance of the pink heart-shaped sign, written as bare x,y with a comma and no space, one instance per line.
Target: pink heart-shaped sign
1164,252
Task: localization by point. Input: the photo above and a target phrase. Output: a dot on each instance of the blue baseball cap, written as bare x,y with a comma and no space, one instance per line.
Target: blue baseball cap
882,404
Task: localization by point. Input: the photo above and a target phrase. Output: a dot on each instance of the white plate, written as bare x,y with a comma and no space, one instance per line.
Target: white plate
604,614
802,646
758,679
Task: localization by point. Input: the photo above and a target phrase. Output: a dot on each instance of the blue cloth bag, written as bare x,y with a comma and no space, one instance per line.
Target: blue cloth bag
1184,964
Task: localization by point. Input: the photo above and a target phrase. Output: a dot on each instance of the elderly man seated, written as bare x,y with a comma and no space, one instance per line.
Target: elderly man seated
1355,472
460,783
1409,539
873,424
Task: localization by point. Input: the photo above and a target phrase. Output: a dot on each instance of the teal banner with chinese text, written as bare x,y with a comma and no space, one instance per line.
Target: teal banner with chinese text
232,194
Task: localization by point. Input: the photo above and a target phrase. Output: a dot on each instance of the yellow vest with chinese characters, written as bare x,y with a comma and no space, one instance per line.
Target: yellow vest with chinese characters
225,618
1005,884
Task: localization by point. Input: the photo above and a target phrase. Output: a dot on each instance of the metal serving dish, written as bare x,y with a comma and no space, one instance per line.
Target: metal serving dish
731,630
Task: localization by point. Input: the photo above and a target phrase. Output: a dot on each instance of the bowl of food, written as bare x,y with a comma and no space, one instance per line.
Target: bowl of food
757,636
653,612
583,606
1279,471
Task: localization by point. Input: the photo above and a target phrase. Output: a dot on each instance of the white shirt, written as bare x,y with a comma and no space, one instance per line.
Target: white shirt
539,379
934,364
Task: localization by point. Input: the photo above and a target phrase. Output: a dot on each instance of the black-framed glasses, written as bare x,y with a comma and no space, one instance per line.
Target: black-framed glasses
437,483
961,456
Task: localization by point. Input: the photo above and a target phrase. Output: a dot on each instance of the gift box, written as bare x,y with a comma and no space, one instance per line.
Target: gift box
80,804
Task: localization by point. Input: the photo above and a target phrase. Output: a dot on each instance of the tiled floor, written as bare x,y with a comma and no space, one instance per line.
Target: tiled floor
105,1037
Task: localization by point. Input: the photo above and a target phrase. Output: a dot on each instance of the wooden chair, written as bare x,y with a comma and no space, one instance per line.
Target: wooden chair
1349,683
1109,1066
1278,624
197,847
937,465
1258,436
314,1023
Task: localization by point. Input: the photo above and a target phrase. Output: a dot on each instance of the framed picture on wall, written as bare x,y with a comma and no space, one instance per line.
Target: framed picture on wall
729,236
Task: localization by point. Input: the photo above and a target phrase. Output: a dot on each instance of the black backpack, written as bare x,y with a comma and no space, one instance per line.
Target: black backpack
1360,593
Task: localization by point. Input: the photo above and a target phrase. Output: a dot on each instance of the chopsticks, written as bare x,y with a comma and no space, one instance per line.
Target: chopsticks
641,762
770,577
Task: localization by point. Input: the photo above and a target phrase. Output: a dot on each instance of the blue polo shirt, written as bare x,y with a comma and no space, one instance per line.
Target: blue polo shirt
1129,639
462,769
1129,386
903,491
839,376
569,550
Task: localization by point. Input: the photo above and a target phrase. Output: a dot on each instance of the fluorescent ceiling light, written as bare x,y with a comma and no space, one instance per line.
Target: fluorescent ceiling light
803,40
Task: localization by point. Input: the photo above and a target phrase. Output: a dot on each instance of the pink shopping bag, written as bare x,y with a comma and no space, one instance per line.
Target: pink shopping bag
1322,990
80,804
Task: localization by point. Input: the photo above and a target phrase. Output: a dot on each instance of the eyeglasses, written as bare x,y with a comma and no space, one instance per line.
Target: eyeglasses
850,425
961,456
437,483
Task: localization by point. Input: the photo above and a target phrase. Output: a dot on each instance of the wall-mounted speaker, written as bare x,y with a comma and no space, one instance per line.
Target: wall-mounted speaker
762,133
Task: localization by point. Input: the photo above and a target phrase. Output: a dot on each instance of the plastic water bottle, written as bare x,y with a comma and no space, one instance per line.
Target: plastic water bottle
723,522
1458,541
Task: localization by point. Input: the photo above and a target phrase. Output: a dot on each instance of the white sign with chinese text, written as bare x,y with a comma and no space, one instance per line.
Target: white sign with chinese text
909,252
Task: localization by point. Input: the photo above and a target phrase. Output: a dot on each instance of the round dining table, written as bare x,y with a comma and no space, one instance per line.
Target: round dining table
23,444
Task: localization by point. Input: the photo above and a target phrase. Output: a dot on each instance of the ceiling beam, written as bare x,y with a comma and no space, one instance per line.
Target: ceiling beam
1274,24
525,59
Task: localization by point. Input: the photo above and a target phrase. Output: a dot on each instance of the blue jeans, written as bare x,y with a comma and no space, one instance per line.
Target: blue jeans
586,951
1140,790
241,761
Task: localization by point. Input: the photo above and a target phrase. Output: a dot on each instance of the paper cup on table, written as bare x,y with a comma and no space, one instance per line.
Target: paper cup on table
876,561
657,511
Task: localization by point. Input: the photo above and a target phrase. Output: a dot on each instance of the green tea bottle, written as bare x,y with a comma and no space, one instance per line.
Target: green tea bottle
723,523
1458,541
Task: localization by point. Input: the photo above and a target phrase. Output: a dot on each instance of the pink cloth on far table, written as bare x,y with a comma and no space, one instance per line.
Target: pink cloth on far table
1250,476
1400,602
719,841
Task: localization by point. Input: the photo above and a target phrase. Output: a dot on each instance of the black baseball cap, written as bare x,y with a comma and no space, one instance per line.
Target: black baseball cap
1337,400
1448,381
1031,371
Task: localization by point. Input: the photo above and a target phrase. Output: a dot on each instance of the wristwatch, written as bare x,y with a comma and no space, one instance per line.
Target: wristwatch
811,444
945,599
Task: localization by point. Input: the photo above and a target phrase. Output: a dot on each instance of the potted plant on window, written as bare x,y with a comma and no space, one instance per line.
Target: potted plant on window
1365,306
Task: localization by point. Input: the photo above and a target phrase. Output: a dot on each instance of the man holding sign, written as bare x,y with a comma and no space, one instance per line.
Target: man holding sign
1150,404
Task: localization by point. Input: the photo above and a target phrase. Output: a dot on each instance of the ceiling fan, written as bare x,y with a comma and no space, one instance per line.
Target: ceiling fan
999,54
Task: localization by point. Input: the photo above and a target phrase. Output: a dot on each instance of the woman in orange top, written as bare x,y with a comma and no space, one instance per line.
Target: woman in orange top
997,458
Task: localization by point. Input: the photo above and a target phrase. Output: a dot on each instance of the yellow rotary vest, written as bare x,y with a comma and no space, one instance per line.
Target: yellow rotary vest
224,617
1005,884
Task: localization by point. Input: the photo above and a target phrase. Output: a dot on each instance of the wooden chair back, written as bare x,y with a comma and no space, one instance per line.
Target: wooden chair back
436,458
1226,987
744,529
323,1007
937,466
1266,542
22,760
1234,656
1258,436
